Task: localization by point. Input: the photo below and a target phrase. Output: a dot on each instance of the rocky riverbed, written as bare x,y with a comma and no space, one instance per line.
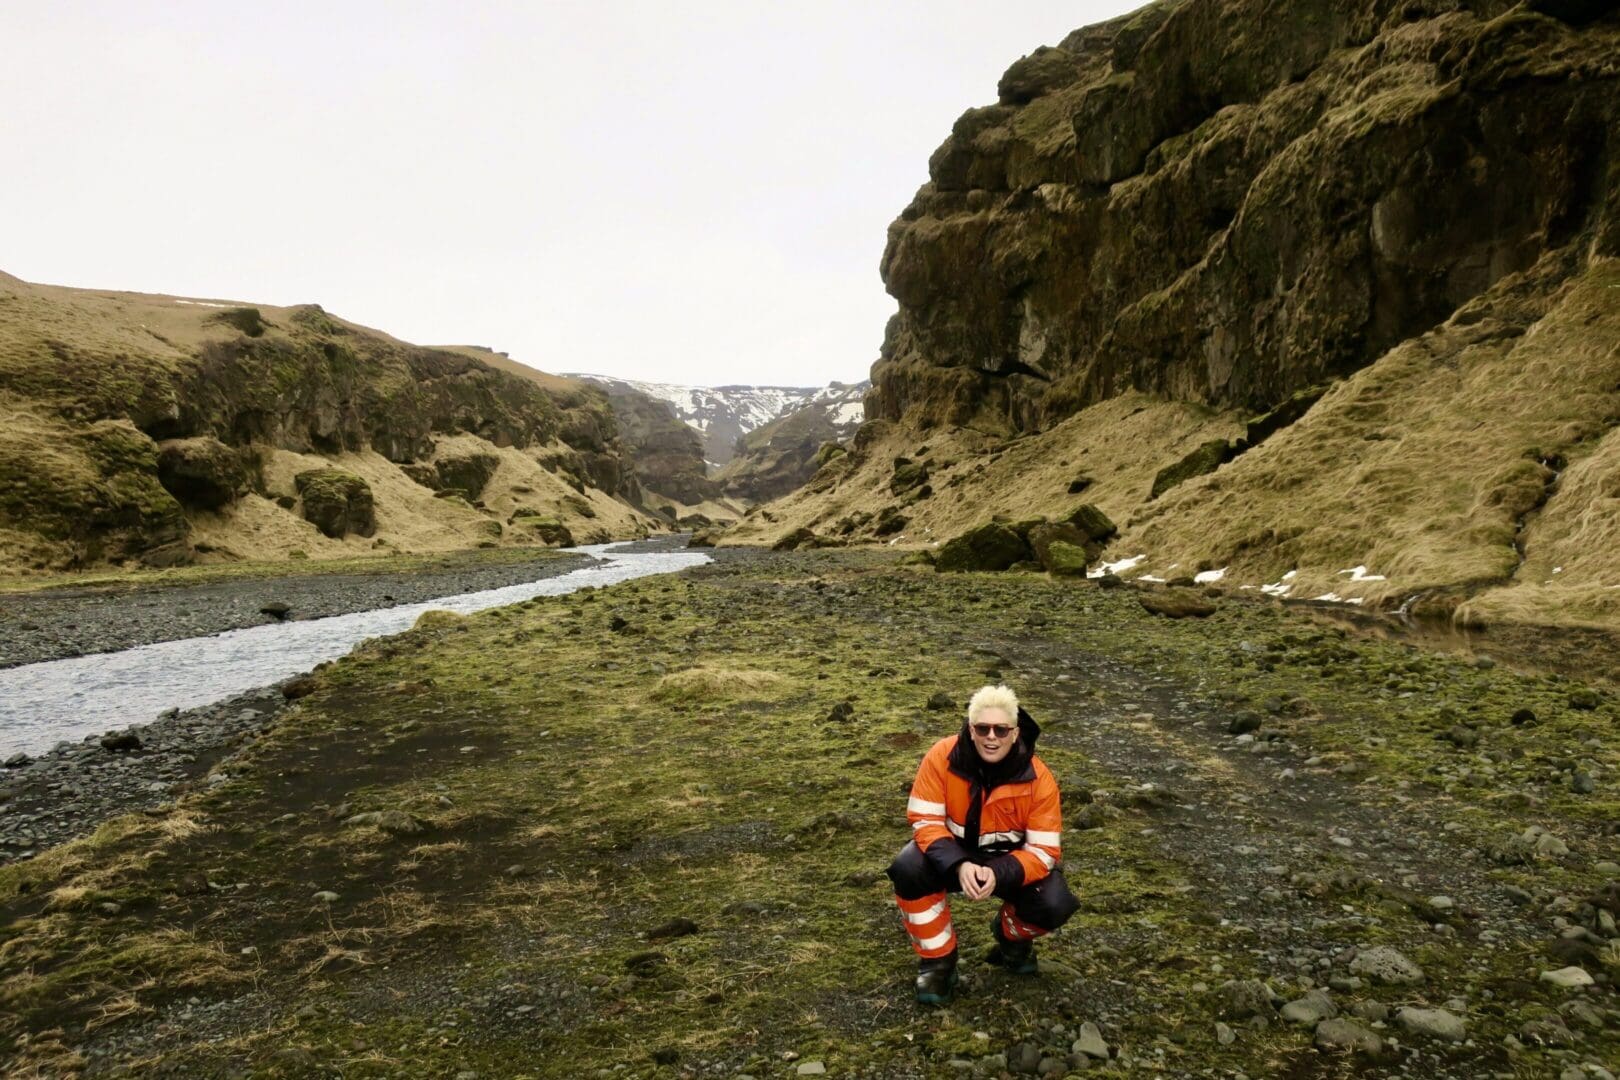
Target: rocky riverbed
50,624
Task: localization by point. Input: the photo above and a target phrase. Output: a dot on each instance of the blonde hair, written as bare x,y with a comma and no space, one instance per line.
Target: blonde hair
994,697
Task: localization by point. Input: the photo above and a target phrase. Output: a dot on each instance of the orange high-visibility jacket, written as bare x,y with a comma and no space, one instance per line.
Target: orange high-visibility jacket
1020,817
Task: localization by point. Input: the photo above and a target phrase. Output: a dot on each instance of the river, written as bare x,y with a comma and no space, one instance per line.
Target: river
66,700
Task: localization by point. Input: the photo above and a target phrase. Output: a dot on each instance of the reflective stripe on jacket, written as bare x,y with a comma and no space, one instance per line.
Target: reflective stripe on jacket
1020,818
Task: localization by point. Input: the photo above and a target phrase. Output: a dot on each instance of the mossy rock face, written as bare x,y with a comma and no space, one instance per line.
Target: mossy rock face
202,472
94,493
889,522
467,473
827,452
1095,524
1206,459
989,547
549,530
337,503
907,475
1044,535
422,473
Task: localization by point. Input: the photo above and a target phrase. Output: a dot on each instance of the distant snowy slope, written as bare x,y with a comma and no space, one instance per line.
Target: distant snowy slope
723,414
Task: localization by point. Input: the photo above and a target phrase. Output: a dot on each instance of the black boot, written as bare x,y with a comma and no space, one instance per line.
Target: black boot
936,979
1017,957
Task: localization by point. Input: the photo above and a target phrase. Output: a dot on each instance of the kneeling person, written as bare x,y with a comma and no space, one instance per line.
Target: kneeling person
985,821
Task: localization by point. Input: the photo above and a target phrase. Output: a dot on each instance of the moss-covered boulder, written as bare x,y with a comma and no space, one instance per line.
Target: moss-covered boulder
988,547
827,452
202,472
1096,525
423,473
337,502
889,521
1063,559
1044,535
466,473
1206,459
705,537
547,529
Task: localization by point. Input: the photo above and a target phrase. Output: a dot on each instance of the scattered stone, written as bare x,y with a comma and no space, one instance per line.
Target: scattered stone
1374,1012
1243,723
1584,699
1176,604
1433,1023
674,928
812,1068
1523,718
841,713
1347,1036
1025,1058
276,609
1310,1010
392,822
1243,998
121,742
1567,978
17,761
301,687
988,547
1582,783
1224,1034
1090,1042
1385,965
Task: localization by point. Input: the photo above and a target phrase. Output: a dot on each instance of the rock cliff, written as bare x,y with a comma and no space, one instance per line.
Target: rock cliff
1324,227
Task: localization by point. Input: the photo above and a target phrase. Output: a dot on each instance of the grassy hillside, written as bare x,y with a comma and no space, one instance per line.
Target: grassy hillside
159,430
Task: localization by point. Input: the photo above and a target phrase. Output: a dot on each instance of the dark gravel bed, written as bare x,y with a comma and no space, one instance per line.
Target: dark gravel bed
69,791
57,623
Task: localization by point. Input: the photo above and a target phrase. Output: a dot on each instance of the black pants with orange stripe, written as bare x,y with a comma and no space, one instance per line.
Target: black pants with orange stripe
920,891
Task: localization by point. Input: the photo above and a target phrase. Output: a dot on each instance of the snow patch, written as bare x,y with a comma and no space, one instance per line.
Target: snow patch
1150,577
1115,567
203,303
1359,573
1209,576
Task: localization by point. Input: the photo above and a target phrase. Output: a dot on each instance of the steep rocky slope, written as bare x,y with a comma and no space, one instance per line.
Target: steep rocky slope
158,429
777,457
1379,238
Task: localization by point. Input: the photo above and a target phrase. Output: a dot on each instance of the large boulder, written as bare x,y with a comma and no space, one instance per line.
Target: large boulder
201,472
1066,560
1097,526
337,502
989,547
1044,535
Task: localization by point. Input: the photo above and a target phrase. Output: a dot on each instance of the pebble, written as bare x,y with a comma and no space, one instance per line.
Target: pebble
1386,965
1347,1035
1568,977
1090,1042
1434,1023
812,1068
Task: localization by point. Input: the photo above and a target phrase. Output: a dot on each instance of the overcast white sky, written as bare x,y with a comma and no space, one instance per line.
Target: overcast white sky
686,192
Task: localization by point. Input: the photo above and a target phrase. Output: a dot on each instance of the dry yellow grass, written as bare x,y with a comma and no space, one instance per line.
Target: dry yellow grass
720,684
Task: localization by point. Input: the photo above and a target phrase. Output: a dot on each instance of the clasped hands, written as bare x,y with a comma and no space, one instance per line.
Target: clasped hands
977,881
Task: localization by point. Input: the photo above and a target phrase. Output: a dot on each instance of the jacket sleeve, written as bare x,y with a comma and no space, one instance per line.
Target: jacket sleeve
926,812
1043,832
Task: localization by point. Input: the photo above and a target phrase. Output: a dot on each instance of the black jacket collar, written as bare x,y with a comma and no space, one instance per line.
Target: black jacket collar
1016,768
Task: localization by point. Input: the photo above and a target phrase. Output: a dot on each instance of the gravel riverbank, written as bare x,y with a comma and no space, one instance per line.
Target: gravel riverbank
55,623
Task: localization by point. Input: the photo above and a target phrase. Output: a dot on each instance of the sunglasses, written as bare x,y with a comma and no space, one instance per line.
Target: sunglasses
985,731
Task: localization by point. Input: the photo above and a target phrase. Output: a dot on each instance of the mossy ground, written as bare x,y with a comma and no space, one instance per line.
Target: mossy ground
576,791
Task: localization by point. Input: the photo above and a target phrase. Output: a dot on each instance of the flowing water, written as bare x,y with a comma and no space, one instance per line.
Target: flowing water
65,700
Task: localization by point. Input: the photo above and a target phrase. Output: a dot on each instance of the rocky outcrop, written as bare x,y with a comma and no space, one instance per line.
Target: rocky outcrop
666,455
772,460
202,472
1230,201
336,502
